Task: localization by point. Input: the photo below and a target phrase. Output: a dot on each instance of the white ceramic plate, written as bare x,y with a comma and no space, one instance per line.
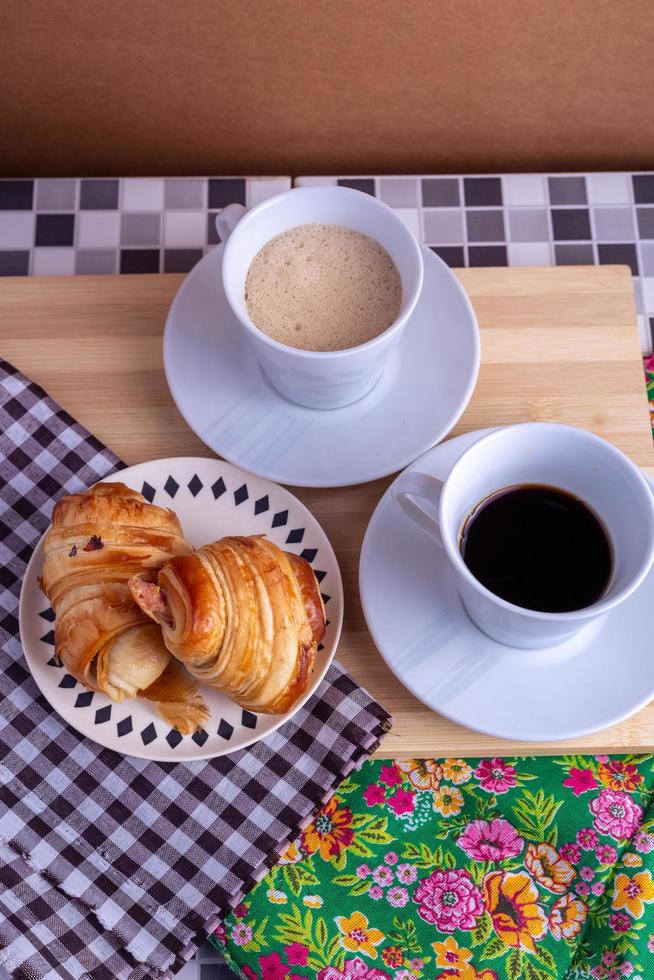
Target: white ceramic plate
219,389
211,498
599,677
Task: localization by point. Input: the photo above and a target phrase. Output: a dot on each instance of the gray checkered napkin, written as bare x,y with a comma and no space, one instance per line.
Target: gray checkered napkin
114,867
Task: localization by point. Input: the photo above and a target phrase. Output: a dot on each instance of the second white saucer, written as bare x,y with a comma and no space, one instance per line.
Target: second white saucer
219,389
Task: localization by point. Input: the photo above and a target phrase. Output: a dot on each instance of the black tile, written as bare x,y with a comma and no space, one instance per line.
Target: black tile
451,254
482,191
139,260
358,184
14,263
567,190
643,188
440,192
623,253
181,259
55,229
16,195
98,195
571,224
224,191
480,255
645,222
574,254
213,238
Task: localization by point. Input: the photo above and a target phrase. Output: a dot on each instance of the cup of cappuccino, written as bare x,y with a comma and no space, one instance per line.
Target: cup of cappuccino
323,281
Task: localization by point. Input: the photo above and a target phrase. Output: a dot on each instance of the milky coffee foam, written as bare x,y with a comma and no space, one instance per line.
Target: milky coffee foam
322,287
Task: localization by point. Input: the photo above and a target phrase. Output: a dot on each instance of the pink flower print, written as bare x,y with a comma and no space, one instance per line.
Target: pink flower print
376,892
650,942
363,871
272,967
401,802
391,858
383,875
649,362
606,854
619,922
608,957
626,969
580,781
406,873
297,954
355,968
643,841
587,873
571,853
397,896
490,840
449,900
616,814
241,934
587,838
416,964
390,775
614,973
599,972
220,933
602,758
374,794
598,887
582,888
495,775
249,972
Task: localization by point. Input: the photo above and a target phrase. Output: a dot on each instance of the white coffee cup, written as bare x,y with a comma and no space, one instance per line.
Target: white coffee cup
547,453
319,379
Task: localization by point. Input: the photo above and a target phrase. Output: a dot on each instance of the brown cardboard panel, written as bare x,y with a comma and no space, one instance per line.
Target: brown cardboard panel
346,86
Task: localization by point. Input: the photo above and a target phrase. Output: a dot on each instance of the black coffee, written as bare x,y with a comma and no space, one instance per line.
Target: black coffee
538,547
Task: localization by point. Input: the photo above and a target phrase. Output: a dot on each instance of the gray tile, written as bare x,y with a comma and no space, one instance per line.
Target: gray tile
399,192
614,224
99,195
647,258
574,254
443,227
14,263
645,222
96,262
56,195
184,193
528,225
485,226
440,192
567,190
140,229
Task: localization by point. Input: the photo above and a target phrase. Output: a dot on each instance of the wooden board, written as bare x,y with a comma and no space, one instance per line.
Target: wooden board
557,343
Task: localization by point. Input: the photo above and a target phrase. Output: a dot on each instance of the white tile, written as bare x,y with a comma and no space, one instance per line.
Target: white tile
16,229
644,335
143,194
185,228
411,219
523,189
257,189
53,262
609,188
529,253
648,294
312,181
98,229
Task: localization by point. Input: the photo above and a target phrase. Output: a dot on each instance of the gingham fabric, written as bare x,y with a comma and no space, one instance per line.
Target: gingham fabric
113,867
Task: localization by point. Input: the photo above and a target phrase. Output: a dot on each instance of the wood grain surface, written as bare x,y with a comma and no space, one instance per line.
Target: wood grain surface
557,343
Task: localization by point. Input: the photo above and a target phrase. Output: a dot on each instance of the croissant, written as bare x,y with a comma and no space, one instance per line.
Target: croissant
243,616
98,540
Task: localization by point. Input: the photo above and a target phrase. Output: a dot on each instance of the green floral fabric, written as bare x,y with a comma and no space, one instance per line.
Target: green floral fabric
479,869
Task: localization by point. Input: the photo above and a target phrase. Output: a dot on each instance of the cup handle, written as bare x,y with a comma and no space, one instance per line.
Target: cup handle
227,219
428,488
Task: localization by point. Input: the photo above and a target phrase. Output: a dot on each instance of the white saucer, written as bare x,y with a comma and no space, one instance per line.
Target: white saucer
413,611
211,498
218,387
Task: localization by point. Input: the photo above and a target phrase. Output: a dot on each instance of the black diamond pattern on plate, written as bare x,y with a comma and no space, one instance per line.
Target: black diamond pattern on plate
55,662
195,485
325,598
261,505
218,488
48,614
171,486
225,730
320,647
84,700
174,738
124,727
148,492
319,574
309,554
248,720
68,681
280,519
200,737
241,494
103,714
148,734
295,536
49,638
